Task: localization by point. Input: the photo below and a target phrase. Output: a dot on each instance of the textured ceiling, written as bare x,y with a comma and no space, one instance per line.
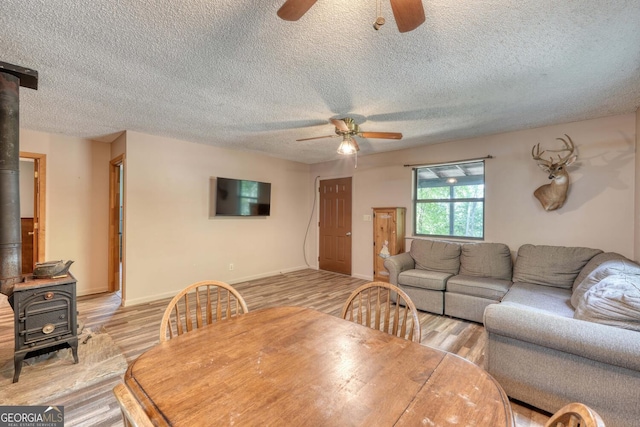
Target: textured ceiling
230,73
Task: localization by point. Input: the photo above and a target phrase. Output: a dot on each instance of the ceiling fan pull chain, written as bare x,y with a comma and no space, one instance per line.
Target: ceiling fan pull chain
379,22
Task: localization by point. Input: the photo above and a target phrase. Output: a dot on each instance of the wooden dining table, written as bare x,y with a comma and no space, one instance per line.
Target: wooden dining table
294,366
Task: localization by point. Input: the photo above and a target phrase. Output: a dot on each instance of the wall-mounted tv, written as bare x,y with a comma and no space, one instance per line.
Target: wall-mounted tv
241,197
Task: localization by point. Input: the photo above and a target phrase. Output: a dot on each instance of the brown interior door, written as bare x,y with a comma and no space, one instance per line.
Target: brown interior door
27,245
335,225
29,224
37,254
34,238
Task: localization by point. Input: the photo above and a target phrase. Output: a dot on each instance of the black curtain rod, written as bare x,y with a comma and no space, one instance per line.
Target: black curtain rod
449,163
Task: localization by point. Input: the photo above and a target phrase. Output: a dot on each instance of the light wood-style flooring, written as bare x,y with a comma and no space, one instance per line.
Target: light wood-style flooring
135,329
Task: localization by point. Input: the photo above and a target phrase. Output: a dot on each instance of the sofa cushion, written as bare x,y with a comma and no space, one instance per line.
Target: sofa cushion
425,279
436,255
483,287
486,260
594,263
605,269
426,299
556,266
547,299
614,301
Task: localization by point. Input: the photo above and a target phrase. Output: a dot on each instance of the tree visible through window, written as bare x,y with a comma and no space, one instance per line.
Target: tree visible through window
449,200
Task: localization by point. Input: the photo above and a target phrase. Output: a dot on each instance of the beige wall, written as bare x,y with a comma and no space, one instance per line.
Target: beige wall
599,211
170,240
119,145
637,194
77,204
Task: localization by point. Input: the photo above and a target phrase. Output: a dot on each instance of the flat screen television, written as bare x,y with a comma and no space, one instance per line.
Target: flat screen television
241,197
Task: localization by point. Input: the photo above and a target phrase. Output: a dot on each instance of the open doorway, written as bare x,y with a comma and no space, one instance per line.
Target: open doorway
32,208
116,226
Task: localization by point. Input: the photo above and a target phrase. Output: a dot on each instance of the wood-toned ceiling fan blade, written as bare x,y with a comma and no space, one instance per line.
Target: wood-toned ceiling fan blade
292,10
340,124
409,14
382,135
317,137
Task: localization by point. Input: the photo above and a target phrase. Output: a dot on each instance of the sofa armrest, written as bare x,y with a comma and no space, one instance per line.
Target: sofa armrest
396,264
595,341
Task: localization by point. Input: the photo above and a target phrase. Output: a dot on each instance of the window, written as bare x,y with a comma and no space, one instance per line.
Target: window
449,200
248,196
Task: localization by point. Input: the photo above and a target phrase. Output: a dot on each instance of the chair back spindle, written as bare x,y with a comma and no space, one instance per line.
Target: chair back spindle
371,305
200,304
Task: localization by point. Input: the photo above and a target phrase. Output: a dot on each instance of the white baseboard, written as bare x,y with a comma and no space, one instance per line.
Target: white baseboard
263,275
150,298
91,291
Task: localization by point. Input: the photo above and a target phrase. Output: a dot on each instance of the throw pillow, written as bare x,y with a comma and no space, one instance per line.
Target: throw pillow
607,268
614,301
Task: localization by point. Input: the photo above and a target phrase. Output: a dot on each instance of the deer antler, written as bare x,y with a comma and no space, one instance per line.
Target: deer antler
537,156
568,147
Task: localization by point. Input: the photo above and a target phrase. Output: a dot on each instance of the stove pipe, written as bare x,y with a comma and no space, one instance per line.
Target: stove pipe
11,78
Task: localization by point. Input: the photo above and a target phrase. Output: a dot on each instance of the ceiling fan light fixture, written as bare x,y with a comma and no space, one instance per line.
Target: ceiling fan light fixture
348,146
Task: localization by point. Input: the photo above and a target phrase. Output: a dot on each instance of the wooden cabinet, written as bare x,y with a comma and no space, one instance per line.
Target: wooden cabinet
388,238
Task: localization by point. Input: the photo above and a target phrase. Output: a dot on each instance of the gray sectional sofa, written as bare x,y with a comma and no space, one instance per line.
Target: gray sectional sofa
564,327
456,279
568,330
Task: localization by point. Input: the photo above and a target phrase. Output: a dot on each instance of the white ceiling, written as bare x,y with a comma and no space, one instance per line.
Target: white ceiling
230,73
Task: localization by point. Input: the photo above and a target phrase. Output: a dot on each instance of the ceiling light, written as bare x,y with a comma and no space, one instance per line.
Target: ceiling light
348,146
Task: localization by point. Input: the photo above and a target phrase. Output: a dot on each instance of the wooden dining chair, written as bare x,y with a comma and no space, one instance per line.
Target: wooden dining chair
132,413
371,305
200,304
575,415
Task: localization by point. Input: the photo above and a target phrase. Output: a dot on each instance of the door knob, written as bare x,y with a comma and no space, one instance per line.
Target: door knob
348,233
31,233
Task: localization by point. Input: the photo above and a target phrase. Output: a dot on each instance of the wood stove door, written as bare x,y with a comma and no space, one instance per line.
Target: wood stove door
46,316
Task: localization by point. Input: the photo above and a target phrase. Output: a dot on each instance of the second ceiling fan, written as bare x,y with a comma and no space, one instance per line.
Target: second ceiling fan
347,129
409,14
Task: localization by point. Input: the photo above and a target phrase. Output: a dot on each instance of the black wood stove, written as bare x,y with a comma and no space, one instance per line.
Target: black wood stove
45,316
44,309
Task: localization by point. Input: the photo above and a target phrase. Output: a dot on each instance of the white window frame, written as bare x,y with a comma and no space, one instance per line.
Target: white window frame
459,180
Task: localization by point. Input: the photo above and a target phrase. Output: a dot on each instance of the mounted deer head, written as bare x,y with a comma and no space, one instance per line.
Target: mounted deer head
553,195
